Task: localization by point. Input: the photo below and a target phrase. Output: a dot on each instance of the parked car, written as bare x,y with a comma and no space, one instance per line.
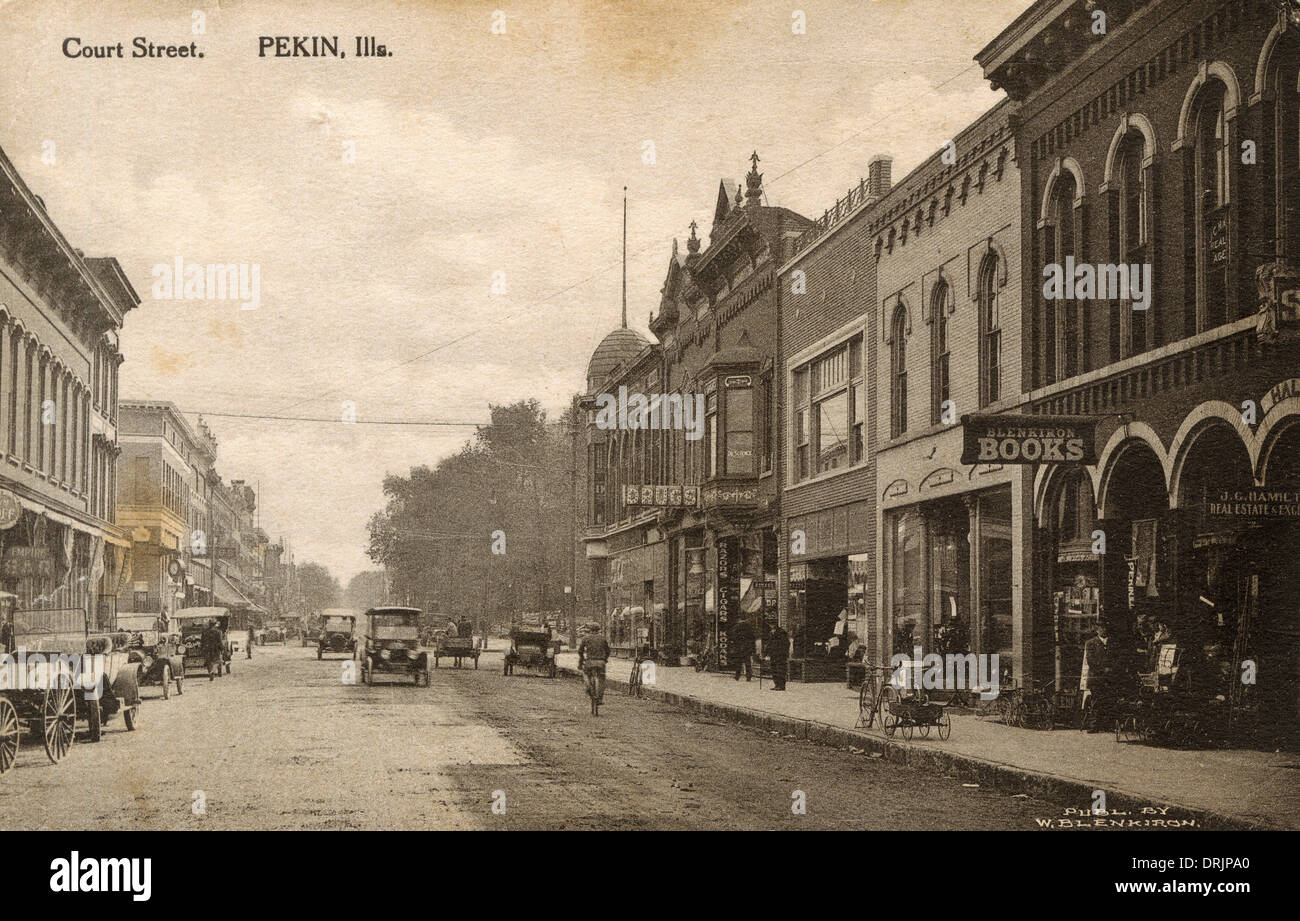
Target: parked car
193,621
391,645
337,634
159,655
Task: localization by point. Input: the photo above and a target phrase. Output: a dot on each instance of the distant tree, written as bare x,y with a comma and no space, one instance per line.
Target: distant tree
318,588
365,590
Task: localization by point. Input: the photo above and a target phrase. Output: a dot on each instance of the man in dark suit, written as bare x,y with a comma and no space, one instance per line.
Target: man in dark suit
741,649
778,646
1101,679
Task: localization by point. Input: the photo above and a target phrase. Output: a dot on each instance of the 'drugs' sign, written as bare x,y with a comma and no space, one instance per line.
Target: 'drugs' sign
1010,439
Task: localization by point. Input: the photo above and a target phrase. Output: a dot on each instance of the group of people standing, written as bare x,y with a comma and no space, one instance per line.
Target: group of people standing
742,644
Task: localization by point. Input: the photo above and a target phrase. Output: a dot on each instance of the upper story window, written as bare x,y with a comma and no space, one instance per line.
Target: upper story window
1132,222
828,405
990,331
1213,169
940,388
898,372
1063,315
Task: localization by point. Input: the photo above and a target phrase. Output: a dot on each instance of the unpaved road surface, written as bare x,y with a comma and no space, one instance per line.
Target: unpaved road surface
283,743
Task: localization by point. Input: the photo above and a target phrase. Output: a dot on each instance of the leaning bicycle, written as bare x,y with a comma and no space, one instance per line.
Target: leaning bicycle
875,696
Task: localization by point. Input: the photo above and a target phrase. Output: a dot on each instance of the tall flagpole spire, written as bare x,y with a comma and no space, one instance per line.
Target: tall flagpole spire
625,257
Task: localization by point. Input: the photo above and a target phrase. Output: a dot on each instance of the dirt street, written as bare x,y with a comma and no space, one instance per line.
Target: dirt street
283,743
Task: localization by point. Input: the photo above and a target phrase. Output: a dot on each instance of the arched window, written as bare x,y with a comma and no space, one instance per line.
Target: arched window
1212,167
1063,321
898,373
990,331
939,350
1134,234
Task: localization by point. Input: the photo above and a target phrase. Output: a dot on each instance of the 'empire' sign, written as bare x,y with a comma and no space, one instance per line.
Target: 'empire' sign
1011,439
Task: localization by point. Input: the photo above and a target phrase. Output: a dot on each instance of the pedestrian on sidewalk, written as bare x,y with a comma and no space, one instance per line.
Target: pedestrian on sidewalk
248,643
742,647
1100,660
779,654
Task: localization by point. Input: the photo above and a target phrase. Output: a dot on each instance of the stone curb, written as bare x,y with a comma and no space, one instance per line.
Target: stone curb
1005,778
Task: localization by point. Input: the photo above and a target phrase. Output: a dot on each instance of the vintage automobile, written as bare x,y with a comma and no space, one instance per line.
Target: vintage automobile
337,633
193,621
310,632
391,645
531,648
89,680
274,634
161,662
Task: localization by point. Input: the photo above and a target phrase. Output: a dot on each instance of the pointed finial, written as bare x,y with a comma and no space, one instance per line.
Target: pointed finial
753,159
693,242
754,183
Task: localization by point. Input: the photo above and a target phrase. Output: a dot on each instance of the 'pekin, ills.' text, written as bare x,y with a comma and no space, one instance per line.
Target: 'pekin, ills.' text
317,46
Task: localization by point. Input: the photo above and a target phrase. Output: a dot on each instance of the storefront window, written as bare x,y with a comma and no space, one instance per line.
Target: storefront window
995,575
907,582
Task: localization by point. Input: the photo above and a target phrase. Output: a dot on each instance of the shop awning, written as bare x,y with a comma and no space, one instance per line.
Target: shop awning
225,593
40,508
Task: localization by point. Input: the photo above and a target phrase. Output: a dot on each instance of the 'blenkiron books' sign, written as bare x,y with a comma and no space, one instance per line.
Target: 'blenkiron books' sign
1011,439
1253,503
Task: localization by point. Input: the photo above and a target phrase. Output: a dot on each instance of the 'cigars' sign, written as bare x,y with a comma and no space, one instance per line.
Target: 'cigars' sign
1011,439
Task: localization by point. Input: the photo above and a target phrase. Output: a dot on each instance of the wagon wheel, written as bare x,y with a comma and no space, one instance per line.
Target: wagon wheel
945,726
9,734
924,730
94,720
58,722
907,731
132,716
885,705
890,724
167,681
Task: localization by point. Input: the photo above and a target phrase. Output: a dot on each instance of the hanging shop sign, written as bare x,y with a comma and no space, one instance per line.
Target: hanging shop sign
661,496
1254,504
28,562
10,510
1028,439
720,495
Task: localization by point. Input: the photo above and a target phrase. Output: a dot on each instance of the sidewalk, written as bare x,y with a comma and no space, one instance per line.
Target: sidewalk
1233,788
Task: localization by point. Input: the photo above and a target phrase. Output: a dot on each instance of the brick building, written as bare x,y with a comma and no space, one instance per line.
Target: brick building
1170,139
946,334
683,529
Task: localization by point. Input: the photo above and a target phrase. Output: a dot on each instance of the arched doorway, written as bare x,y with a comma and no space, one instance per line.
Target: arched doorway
1136,587
1275,640
1213,565
1070,572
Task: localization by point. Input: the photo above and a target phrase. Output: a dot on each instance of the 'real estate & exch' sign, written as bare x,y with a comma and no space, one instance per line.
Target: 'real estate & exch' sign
1021,439
1254,504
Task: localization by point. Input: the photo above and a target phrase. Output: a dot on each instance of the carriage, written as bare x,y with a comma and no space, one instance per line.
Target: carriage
454,647
916,713
54,674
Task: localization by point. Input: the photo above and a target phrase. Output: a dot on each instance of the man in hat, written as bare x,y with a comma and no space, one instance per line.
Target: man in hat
210,646
593,653
778,645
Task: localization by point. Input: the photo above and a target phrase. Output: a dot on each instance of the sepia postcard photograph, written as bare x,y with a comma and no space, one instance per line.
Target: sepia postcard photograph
580,415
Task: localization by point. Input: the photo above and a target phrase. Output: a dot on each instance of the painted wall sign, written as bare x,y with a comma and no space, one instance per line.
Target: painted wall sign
1283,391
1027,439
1254,504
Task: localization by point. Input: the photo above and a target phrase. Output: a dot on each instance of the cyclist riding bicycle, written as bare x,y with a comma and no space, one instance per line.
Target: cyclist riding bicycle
593,653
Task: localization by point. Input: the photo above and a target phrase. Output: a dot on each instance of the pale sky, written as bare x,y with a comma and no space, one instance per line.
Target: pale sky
475,153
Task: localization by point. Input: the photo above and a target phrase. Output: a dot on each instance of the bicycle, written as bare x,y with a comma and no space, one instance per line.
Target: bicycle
875,696
635,682
707,660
